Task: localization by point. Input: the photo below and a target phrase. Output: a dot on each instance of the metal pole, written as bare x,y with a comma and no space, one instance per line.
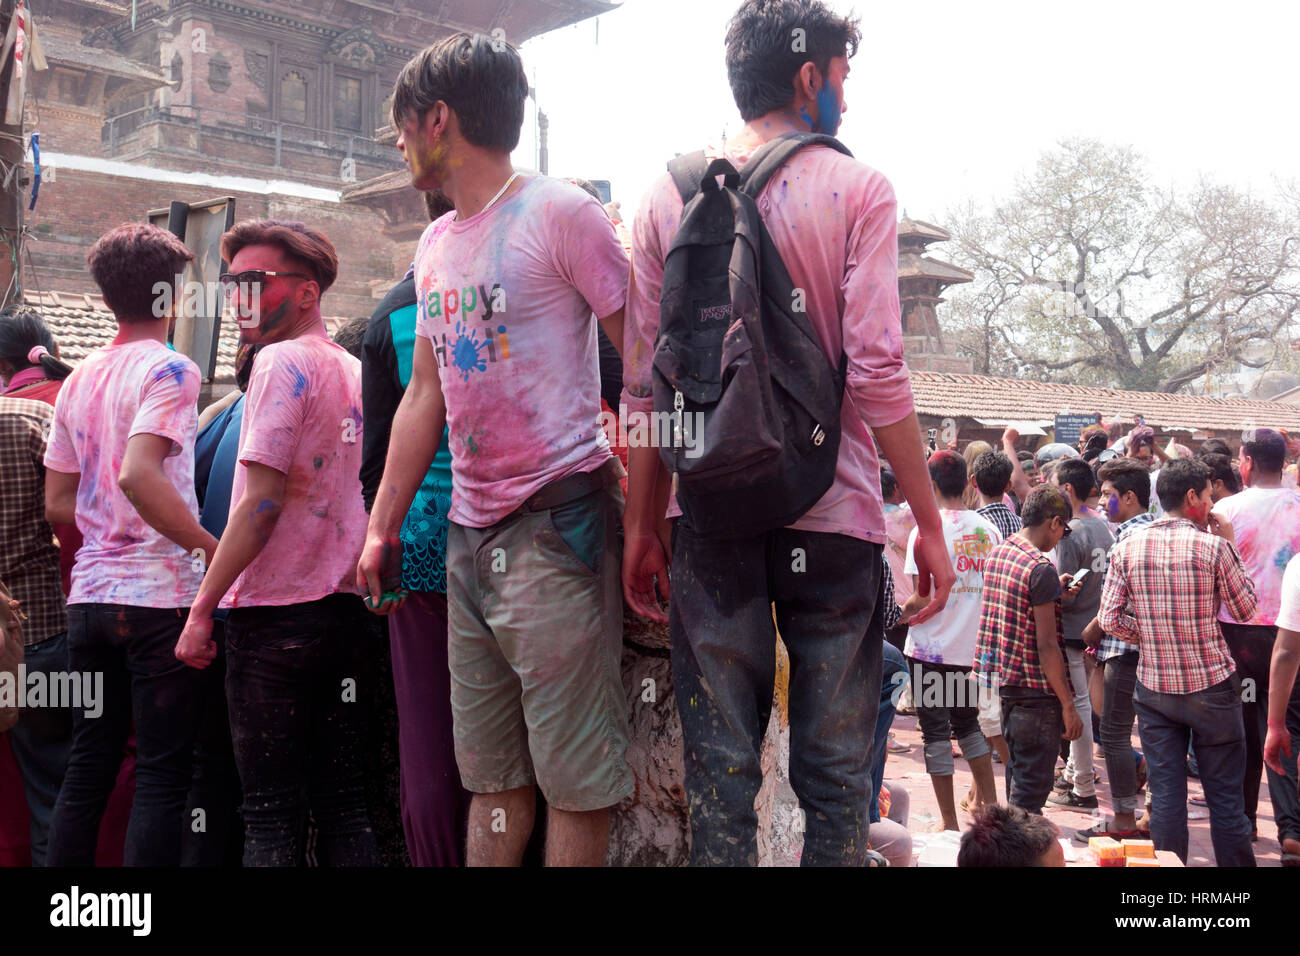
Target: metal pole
278,130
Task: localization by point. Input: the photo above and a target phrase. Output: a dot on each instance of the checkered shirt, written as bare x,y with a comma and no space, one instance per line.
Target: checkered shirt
1006,651
1004,519
1162,593
29,558
1113,646
892,611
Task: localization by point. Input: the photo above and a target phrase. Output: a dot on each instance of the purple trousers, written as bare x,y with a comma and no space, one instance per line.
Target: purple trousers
435,807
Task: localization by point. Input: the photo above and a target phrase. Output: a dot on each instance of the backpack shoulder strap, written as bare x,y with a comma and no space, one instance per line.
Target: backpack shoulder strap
688,172
774,154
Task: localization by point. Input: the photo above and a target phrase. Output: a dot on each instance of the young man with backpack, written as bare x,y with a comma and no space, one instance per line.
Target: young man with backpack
814,361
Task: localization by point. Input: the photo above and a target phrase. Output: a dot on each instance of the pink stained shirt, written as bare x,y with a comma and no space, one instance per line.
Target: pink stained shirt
140,388
302,417
834,222
507,299
1266,529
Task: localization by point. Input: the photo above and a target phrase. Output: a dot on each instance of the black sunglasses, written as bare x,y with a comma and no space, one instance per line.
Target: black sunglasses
232,282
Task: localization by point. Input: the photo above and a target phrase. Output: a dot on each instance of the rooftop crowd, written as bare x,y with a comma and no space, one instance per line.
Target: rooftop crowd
444,465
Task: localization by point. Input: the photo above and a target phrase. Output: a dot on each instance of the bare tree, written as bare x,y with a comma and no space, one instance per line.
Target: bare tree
1090,273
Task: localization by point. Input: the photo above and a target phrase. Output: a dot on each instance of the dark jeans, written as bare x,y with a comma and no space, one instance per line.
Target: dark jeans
214,837
1252,649
293,679
1211,719
826,588
134,649
947,707
893,678
41,741
1032,725
1119,677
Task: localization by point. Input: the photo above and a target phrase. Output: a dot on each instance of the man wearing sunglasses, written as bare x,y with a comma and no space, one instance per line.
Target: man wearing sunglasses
1020,648
286,564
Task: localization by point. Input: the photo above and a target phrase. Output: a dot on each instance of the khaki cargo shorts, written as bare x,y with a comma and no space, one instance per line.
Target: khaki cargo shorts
535,639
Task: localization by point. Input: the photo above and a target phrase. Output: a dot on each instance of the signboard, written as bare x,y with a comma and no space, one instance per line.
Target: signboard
199,302
1069,427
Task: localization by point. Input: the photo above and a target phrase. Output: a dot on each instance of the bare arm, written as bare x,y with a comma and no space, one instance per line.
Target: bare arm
146,485
1019,480
416,433
1281,678
252,520
901,443
1053,665
613,327
61,496
645,558
217,407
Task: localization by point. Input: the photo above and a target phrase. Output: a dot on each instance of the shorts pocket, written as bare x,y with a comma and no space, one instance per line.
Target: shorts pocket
579,529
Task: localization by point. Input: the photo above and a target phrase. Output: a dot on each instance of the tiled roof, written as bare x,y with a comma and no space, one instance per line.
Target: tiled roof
59,49
978,396
81,323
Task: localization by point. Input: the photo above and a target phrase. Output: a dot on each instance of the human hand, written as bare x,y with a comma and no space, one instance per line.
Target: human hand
932,567
1073,723
1276,745
196,648
376,566
645,562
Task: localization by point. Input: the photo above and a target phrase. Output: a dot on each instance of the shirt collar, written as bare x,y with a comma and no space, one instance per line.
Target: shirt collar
27,376
1145,517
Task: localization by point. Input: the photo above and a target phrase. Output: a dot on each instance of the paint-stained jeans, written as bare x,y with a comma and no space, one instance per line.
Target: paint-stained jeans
294,676
134,649
826,590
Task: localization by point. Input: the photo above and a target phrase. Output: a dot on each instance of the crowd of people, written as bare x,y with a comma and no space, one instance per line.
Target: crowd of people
443,464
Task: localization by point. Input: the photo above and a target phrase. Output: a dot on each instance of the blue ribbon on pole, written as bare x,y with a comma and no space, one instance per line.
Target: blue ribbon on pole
36,169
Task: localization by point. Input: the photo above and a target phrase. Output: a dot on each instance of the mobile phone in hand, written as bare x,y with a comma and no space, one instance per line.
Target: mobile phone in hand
1079,577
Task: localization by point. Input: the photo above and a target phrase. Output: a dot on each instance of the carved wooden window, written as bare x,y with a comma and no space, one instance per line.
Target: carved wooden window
293,98
347,103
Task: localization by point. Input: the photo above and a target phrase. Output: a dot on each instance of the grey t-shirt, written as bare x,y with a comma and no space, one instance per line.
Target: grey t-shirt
1087,546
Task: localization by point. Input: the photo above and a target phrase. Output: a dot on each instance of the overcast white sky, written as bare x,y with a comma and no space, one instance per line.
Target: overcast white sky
949,98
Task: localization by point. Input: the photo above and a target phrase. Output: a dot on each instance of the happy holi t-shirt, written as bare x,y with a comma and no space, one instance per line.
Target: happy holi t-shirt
302,417
834,222
139,388
507,300
1266,527
949,637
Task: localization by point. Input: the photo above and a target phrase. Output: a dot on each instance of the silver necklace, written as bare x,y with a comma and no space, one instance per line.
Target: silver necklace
500,192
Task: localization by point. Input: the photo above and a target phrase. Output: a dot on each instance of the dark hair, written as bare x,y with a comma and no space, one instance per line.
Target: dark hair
992,472
1006,836
21,330
128,263
296,240
888,484
1215,446
1076,473
1128,474
586,186
1043,504
351,333
761,57
1267,449
1179,477
481,79
1221,470
948,472
436,204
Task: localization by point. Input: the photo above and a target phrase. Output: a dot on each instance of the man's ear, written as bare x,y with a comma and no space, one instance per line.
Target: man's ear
808,80
309,296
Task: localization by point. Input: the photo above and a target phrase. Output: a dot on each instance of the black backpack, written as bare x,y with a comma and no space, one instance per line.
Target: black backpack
751,399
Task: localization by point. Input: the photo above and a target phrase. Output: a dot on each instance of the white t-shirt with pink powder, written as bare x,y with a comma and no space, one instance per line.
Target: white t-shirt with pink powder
140,388
302,417
507,300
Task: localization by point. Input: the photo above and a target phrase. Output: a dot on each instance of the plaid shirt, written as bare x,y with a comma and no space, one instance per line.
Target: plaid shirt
1163,591
1006,651
1004,519
1113,646
29,559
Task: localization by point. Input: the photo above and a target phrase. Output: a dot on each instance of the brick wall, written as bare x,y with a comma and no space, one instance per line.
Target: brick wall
80,206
